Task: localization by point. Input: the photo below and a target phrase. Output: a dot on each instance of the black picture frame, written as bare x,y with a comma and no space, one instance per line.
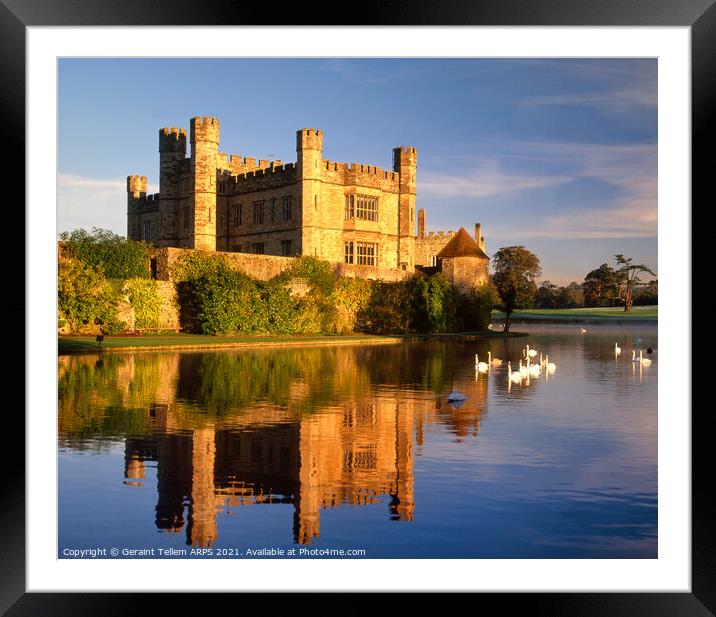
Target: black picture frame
17,15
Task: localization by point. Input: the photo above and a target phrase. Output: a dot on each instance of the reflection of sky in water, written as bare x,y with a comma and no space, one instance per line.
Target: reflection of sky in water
357,447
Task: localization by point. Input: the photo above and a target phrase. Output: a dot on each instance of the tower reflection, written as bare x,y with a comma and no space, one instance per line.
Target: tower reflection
315,428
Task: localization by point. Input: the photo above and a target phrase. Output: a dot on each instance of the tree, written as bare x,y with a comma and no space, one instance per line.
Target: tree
571,296
516,269
116,256
546,296
600,286
628,277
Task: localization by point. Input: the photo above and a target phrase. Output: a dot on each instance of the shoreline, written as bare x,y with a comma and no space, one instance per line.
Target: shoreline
69,345
594,320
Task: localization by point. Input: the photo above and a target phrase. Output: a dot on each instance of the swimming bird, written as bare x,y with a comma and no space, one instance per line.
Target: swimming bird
534,370
617,349
644,361
633,356
481,366
530,353
551,366
456,395
649,350
513,376
583,330
493,361
523,369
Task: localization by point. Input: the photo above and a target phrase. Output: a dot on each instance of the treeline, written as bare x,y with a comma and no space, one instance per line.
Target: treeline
99,270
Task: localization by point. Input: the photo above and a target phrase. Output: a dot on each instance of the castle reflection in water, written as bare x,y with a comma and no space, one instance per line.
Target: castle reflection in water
315,428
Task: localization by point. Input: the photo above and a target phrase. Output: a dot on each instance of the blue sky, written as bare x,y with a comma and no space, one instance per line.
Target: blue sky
559,155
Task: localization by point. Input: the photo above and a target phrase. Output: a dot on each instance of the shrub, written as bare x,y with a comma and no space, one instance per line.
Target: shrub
145,301
116,256
85,296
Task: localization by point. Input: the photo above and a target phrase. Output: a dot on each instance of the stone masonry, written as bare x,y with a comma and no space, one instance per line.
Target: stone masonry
356,215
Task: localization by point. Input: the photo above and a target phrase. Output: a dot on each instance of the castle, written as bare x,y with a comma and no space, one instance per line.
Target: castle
359,216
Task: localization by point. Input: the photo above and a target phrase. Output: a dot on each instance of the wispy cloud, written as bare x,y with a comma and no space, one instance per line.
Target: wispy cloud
485,180
630,168
83,201
612,88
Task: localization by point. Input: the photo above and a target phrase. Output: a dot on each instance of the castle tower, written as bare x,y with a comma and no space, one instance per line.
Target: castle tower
204,138
421,223
309,154
136,195
405,161
172,150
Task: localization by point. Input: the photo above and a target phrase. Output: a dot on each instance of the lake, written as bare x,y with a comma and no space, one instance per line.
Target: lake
356,448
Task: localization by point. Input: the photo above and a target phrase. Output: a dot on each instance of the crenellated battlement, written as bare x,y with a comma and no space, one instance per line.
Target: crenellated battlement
204,129
137,185
264,178
309,139
172,140
360,174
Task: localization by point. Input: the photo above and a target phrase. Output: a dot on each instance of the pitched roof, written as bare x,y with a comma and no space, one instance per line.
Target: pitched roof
462,245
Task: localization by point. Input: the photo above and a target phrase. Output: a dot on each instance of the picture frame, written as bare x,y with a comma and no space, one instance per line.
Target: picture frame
16,16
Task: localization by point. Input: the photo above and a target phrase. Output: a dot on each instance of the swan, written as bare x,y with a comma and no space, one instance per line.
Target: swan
551,366
617,349
515,376
481,366
534,370
456,395
633,356
530,353
644,361
493,361
523,370
583,330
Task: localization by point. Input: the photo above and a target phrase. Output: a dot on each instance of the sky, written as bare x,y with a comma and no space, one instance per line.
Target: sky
557,155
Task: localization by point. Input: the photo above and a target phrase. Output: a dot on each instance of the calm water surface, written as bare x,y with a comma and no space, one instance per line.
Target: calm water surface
356,447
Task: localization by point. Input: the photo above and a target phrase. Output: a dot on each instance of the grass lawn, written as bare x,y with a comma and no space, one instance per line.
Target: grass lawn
637,312
74,344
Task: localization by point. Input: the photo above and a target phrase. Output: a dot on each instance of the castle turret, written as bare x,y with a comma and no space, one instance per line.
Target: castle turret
405,162
421,223
204,138
136,196
309,151
172,150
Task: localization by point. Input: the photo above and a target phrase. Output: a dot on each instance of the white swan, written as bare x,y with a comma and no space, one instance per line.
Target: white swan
644,361
534,370
523,370
493,361
531,353
633,356
551,366
617,349
456,395
583,330
481,366
513,376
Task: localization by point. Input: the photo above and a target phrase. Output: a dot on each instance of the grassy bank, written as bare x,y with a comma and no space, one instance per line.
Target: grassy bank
608,314
84,344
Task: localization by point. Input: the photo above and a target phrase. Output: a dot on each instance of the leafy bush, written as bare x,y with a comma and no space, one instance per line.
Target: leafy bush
227,301
86,297
116,256
145,301
317,272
